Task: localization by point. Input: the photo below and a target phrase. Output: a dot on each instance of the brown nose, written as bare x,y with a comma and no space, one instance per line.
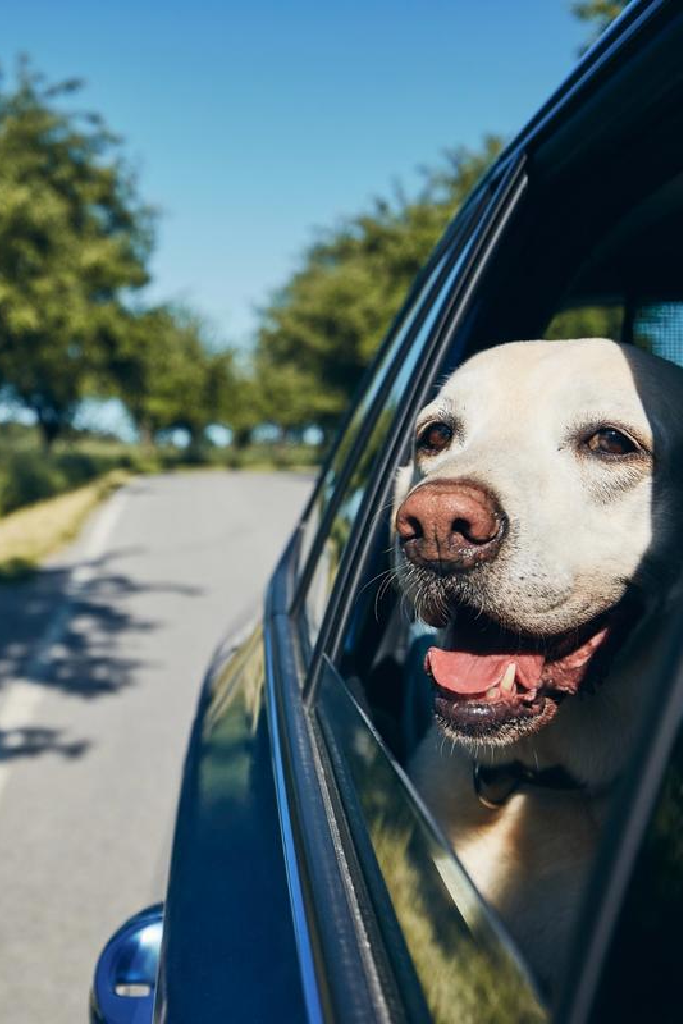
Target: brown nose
450,524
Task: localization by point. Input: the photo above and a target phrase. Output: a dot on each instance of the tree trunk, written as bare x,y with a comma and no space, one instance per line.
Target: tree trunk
49,430
241,437
145,434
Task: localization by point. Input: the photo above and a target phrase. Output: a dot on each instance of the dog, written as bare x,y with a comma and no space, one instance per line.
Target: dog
538,527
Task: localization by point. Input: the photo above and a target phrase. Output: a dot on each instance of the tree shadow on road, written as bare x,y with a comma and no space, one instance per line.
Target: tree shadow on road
33,740
70,638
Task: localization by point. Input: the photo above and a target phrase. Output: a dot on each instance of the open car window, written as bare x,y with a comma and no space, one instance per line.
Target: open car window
615,275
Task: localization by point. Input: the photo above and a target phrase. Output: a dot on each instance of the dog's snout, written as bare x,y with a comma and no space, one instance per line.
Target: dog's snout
455,524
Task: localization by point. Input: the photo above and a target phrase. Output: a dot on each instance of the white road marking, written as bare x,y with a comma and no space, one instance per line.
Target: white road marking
22,699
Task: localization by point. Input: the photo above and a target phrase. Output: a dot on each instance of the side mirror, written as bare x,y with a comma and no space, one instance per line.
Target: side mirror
126,971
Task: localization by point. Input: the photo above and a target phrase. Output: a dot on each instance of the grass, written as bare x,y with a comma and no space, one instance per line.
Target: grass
30,535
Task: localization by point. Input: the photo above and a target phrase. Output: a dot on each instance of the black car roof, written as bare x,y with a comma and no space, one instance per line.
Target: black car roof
641,22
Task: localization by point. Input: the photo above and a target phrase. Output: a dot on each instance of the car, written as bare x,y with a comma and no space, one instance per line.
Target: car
308,880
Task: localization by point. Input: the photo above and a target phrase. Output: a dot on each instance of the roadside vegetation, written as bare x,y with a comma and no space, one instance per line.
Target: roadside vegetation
30,535
45,496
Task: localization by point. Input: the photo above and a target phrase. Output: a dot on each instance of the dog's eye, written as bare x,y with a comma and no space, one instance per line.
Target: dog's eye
610,441
434,438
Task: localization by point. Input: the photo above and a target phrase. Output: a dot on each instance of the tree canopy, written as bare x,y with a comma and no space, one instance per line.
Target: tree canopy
75,242
73,237
318,333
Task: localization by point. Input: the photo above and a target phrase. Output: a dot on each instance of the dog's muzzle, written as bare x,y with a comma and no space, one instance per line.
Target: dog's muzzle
450,525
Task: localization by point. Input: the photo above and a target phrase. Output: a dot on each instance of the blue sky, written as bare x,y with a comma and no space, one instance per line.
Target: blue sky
252,125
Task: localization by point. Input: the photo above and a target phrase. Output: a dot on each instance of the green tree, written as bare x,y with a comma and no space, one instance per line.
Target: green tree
73,238
319,332
231,397
158,366
169,375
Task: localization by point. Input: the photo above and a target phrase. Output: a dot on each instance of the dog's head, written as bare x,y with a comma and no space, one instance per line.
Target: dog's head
539,516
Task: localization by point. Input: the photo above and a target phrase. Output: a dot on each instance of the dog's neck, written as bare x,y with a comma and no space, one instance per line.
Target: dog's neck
495,784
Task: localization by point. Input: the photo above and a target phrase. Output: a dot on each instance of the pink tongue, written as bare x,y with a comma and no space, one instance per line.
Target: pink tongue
464,672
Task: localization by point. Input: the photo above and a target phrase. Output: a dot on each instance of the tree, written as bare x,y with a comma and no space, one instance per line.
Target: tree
231,397
73,238
169,375
319,332
158,366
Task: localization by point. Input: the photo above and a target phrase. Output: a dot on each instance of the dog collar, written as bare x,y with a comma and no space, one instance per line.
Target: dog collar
495,784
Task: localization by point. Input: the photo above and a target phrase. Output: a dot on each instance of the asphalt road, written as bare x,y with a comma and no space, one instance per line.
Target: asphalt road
101,659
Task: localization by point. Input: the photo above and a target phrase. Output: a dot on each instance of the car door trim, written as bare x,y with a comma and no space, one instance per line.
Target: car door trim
338,972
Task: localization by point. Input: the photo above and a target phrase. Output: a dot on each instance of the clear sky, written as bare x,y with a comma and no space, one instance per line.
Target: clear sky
253,124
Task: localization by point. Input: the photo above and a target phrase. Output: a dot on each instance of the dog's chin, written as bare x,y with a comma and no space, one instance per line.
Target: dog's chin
477,722
494,687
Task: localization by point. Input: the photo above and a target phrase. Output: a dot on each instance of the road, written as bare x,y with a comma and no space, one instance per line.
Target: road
101,659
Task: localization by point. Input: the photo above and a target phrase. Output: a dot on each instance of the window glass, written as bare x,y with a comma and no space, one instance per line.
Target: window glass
466,968
350,500
658,328
640,980
589,321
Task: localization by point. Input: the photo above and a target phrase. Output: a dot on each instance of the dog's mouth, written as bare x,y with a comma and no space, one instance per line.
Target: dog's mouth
496,686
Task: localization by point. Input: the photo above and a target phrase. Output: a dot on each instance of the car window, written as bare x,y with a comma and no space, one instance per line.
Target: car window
351,493
464,965
656,327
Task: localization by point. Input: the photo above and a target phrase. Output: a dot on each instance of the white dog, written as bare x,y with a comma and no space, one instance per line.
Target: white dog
539,526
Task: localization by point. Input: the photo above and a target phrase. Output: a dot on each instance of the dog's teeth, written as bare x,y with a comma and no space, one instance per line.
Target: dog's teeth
493,692
507,683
